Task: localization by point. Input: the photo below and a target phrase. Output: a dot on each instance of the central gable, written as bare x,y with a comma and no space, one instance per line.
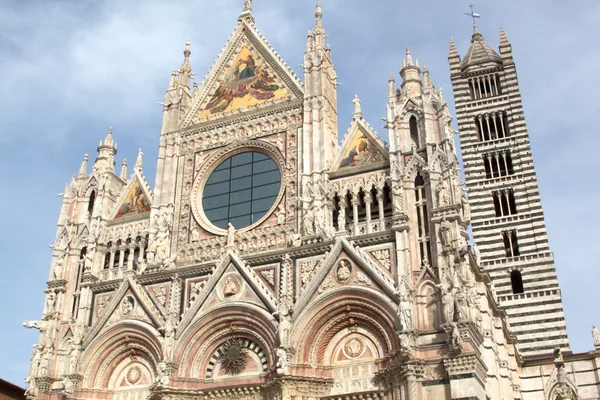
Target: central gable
248,75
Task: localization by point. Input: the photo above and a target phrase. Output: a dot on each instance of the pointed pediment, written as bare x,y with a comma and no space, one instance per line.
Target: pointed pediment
231,281
135,200
248,75
128,302
346,265
361,148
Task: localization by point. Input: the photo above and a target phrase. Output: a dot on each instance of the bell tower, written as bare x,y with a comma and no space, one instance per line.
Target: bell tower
507,217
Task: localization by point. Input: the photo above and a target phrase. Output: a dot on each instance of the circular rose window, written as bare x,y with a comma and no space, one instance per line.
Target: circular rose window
241,190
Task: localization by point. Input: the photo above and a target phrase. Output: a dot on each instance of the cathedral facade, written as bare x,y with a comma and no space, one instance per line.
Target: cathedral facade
271,261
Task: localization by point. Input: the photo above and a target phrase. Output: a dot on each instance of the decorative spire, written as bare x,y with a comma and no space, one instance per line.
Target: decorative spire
138,162
319,30
453,51
185,71
357,109
426,79
108,141
83,167
392,88
123,174
503,38
409,61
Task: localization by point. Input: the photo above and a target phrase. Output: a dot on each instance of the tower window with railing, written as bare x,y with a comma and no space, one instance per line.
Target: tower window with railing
481,87
498,164
511,245
504,203
422,219
491,126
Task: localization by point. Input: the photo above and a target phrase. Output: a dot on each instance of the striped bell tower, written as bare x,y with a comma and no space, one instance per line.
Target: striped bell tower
507,219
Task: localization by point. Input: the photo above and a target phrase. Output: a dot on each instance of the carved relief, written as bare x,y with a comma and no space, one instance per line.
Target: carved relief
383,258
307,270
344,271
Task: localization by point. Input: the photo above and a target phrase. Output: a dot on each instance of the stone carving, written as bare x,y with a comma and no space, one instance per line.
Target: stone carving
195,290
46,356
284,318
230,235
282,361
161,295
404,340
74,349
101,304
269,276
308,223
462,308
404,311
247,5
596,337
445,233
397,200
58,268
383,257
50,305
169,332
233,356
356,102
327,284
280,215
466,207
443,194
343,271
163,376
354,347
134,375
362,278
127,305
448,303
456,338
231,286
306,271
68,386
195,234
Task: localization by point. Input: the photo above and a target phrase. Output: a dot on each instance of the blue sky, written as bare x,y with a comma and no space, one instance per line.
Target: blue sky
71,68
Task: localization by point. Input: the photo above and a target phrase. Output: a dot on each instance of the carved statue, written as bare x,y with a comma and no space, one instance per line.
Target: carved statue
282,362
50,305
397,201
356,102
448,304
229,287
247,5
162,378
283,315
230,235
404,311
456,338
195,234
443,194
44,364
169,330
466,207
308,223
58,268
68,385
596,336
73,354
405,346
462,309
445,233
87,263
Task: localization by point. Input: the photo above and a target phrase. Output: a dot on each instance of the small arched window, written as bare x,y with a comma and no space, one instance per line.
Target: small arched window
91,203
414,131
516,281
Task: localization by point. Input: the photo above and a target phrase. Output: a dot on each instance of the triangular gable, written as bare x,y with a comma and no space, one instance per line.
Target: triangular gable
319,281
118,308
230,263
135,200
361,147
248,74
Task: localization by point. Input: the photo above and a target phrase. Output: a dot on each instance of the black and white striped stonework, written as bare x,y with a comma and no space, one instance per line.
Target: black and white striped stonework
506,211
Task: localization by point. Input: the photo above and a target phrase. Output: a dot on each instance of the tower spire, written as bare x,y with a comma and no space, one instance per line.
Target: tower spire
319,29
83,167
185,71
138,162
106,153
123,174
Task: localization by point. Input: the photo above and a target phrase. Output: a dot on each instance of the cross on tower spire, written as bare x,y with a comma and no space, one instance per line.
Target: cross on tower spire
473,14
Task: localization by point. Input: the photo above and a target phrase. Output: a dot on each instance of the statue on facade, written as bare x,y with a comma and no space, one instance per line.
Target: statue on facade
404,311
247,5
282,361
58,268
308,223
68,386
397,200
456,338
356,101
596,336
447,303
50,305
162,377
404,340
445,233
284,318
462,308
466,207
87,263
230,235
443,194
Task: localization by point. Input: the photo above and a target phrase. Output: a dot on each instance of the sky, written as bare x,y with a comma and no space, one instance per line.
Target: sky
69,69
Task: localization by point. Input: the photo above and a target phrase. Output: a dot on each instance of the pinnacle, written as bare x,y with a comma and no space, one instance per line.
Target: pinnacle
123,174
108,141
83,167
138,162
503,38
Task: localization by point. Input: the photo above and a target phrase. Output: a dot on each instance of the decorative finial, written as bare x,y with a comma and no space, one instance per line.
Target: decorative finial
108,140
187,52
83,167
138,162
247,5
357,109
319,15
409,60
473,15
123,174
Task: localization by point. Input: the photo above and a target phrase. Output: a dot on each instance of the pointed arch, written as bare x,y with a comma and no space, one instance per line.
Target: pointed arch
341,309
199,342
134,340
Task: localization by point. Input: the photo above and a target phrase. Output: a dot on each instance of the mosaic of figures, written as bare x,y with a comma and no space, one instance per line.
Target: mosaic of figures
249,81
360,152
135,202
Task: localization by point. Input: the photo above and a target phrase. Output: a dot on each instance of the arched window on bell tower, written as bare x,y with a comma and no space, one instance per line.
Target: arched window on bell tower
422,219
90,209
516,280
414,132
